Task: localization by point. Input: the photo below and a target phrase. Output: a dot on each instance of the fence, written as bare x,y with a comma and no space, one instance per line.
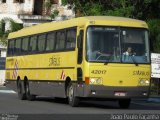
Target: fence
155,87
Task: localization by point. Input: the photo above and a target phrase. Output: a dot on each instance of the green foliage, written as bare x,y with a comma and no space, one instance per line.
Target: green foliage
141,9
54,14
13,27
95,9
127,12
138,9
64,2
157,44
154,26
47,4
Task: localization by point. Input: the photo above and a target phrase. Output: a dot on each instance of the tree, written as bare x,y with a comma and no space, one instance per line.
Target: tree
147,10
141,9
154,26
13,27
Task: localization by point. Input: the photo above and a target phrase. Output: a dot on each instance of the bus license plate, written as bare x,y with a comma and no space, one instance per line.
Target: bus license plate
120,94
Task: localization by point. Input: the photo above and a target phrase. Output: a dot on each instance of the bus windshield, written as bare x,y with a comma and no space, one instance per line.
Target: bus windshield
117,44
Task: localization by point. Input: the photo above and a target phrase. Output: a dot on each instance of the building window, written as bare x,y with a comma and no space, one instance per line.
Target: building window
3,1
19,1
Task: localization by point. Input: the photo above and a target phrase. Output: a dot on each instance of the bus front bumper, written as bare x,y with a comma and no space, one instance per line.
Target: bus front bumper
112,92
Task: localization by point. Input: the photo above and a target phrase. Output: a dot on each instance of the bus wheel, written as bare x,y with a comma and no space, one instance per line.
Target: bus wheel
72,99
21,94
124,103
28,95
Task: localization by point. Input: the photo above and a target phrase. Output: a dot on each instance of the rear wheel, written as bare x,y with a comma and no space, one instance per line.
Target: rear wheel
21,93
124,103
27,90
72,99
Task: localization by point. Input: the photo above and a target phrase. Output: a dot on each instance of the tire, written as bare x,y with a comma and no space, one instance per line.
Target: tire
27,90
20,90
72,99
124,103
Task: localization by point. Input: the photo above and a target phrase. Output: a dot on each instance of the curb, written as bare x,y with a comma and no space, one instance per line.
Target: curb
156,100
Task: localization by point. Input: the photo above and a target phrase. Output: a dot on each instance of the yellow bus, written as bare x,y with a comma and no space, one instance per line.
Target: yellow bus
94,57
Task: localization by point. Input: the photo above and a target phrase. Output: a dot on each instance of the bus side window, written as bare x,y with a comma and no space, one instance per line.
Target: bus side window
17,47
33,44
10,47
50,45
25,43
71,39
41,42
60,42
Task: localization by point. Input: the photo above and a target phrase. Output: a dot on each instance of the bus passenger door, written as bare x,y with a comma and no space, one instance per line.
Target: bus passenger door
80,46
79,61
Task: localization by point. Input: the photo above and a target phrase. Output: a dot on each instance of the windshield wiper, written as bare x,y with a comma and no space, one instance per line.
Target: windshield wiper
108,59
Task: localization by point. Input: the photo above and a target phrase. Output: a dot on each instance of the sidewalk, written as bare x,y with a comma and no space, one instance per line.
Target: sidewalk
1,84
154,99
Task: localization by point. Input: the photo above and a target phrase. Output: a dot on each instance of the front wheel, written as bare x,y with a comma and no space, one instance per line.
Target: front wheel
124,103
72,99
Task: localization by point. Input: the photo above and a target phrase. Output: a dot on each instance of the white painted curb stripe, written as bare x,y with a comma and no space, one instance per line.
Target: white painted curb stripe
7,91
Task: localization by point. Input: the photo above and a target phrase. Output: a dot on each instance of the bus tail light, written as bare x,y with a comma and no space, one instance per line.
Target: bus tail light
87,80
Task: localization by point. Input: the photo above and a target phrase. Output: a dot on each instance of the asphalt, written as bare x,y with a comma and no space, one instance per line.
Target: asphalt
150,99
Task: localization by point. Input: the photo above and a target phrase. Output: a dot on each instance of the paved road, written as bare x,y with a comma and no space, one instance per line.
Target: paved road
9,103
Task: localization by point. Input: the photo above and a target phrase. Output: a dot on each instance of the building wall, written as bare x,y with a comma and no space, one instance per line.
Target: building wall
2,77
3,53
33,12
17,8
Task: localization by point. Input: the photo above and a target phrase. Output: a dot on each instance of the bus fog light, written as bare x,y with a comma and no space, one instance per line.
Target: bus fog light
92,80
144,82
97,81
141,82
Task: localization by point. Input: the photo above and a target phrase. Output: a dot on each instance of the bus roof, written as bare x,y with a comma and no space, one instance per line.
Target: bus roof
81,21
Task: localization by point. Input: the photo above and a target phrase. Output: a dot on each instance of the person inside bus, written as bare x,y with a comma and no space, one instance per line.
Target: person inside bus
128,54
94,54
129,51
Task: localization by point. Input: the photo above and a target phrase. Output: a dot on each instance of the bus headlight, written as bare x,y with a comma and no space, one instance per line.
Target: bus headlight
144,82
147,82
97,81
